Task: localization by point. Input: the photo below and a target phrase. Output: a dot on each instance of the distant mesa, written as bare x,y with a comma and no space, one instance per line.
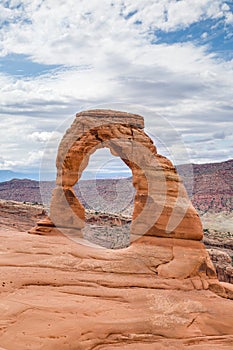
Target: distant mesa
212,189
7,175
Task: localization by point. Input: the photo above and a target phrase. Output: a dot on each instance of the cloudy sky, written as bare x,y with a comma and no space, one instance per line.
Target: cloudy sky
173,58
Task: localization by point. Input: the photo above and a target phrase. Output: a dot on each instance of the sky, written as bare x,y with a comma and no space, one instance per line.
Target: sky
170,60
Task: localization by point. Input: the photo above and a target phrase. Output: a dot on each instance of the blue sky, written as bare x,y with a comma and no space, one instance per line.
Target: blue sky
173,58
20,65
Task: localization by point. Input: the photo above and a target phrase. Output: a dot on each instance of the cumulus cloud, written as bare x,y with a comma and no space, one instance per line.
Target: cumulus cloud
6,164
43,136
32,161
82,33
34,157
109,53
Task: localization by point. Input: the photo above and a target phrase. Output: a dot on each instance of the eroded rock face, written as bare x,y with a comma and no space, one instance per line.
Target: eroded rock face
161,206
162,209
223,264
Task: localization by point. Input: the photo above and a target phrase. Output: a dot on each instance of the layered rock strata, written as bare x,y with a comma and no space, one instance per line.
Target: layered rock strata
161,205
159,293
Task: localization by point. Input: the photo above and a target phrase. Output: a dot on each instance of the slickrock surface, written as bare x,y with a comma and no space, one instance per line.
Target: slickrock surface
20,216
112,231
58,295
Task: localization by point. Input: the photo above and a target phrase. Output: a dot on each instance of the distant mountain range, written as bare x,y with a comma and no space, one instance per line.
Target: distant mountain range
7,175
212,190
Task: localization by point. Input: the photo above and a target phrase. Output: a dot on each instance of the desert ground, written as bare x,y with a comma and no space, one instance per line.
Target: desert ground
59,294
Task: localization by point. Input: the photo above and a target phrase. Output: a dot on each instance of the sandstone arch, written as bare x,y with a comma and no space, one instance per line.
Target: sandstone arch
161,207
169,255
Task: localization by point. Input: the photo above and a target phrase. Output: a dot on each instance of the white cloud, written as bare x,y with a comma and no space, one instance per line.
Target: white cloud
31,161
81,32
43,136
229,18
34,157
204,35
6,164
108,57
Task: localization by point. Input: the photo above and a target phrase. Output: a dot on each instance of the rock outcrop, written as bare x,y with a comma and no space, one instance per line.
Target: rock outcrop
161,205
157,294
21,216
223,264
162,209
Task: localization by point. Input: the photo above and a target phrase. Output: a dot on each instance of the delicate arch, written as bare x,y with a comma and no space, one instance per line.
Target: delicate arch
160,195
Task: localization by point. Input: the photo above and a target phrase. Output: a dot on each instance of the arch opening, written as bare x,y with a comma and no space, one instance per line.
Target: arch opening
106,191
132,146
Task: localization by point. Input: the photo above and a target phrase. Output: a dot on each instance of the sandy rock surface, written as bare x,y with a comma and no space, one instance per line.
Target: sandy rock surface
20,216
58,294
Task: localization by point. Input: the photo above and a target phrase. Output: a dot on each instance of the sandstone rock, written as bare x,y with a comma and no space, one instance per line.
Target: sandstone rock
163,213
161,205
66,210
46,222
21,216
59,294
223,264
228,289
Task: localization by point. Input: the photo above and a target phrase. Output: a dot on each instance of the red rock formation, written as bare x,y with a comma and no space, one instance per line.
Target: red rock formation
223,264
161,206
156,294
